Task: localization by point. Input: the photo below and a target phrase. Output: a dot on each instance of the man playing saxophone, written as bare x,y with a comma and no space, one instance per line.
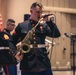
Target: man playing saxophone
35,61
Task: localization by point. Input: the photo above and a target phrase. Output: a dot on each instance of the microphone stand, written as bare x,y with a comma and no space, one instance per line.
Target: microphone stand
73,44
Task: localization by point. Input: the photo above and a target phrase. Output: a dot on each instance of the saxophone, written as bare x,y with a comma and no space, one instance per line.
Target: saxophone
25,44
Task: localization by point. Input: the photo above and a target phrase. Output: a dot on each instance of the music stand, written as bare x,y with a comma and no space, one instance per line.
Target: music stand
73,47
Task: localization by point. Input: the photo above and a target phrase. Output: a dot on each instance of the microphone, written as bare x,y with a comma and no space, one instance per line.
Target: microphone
46,15
72,34
66,34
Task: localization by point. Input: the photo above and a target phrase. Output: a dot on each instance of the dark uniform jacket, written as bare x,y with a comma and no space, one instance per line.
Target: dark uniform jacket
6,49
37,59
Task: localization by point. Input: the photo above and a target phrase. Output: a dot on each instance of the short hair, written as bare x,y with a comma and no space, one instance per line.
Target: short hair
36,4
10,21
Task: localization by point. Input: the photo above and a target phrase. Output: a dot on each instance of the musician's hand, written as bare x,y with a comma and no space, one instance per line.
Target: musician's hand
19,56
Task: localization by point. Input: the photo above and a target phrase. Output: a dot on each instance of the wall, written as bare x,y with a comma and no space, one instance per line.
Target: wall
4,11
18,8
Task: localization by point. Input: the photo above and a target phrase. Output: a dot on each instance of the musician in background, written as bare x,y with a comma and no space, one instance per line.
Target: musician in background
36,61
1,69
7,49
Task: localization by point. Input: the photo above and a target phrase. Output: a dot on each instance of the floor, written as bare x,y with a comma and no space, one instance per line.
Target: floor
64,73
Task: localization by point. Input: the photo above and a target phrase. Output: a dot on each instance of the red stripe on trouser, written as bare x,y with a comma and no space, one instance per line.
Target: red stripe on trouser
7,71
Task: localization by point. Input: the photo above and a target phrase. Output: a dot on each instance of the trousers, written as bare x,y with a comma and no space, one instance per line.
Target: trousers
10,69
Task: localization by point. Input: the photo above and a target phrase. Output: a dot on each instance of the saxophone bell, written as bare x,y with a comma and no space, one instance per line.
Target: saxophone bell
23,48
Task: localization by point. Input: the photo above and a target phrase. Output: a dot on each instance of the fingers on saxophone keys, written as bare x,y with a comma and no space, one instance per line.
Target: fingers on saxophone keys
19,56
